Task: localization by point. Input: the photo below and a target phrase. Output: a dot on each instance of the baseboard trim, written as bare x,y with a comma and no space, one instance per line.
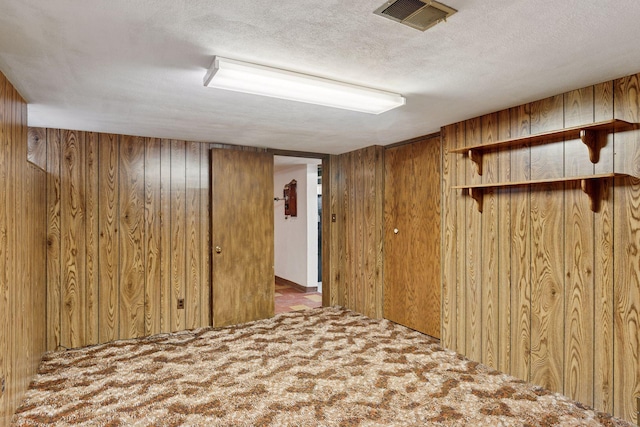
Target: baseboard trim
285,282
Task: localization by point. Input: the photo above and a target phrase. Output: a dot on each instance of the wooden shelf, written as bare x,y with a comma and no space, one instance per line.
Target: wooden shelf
590,184
592,135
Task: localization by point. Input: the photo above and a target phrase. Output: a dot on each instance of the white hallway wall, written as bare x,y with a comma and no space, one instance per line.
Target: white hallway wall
296,238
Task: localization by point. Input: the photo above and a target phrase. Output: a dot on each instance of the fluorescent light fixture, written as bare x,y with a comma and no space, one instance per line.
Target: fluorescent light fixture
239,76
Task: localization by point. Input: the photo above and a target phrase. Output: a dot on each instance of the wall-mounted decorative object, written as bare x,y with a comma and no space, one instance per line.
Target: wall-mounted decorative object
290,199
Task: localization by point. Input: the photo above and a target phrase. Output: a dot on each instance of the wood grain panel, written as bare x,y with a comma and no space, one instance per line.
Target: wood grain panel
243,228
166,252
6,143
377,243
23,220
18,266
73,240
603,262
205,238
357,200
152,237
603,110
578,110
16,231
520,249
178,232
579,107
132,242
626,220
54,301
12,146
348,214
489,252
37,147
356,278
358,283
579,257
461,242
547,257
109,293
547,160
193,256
579,296
372,231
448,239
31,343
473,262
603,305
370,254
505,240
341,280
92,207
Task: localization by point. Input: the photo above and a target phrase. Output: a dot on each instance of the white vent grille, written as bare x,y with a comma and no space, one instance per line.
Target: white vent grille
417,14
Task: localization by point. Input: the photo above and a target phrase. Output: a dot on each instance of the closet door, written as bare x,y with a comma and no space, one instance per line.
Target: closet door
412,236
242,236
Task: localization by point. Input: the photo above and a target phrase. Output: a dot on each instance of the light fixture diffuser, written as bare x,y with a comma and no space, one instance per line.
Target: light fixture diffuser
239,76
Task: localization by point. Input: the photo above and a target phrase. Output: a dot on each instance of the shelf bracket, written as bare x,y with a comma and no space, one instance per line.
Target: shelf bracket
593,189
476,157
477,195
594,140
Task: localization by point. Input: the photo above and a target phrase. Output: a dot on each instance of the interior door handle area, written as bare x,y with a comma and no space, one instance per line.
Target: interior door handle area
218,249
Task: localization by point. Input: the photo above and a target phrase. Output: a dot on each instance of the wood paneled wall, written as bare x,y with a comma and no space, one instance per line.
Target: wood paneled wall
22,254
128,232
538,285
352,269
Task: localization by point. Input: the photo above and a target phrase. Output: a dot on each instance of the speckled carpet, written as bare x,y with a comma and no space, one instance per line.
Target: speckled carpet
320,367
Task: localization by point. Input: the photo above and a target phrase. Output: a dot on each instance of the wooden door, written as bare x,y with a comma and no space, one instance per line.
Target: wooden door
242,236
412,236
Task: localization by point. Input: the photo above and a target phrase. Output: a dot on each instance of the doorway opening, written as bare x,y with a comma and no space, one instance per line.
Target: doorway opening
297,233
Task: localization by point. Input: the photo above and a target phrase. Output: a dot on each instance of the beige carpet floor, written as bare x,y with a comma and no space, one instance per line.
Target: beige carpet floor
320,367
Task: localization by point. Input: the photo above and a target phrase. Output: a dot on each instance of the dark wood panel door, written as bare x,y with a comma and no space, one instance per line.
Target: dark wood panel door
412,236
242,236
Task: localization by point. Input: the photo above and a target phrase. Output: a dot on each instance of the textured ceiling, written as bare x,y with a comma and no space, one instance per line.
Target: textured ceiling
284,162
136,67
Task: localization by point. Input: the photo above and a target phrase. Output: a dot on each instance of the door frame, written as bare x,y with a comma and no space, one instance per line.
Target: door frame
326,214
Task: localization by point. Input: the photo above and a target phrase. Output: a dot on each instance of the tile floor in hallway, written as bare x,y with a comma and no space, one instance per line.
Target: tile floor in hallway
291,299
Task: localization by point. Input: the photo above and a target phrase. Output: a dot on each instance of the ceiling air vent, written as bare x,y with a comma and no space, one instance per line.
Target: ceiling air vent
417,14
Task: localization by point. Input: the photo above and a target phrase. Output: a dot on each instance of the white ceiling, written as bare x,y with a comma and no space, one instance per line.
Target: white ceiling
285,162
136,67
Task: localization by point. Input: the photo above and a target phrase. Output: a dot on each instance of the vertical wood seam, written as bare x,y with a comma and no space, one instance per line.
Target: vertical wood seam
170,242
46,255
563,284
613,259
59,267
468,169
143,235
97,268
530,234
86,226
186,285
118,234
443,335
